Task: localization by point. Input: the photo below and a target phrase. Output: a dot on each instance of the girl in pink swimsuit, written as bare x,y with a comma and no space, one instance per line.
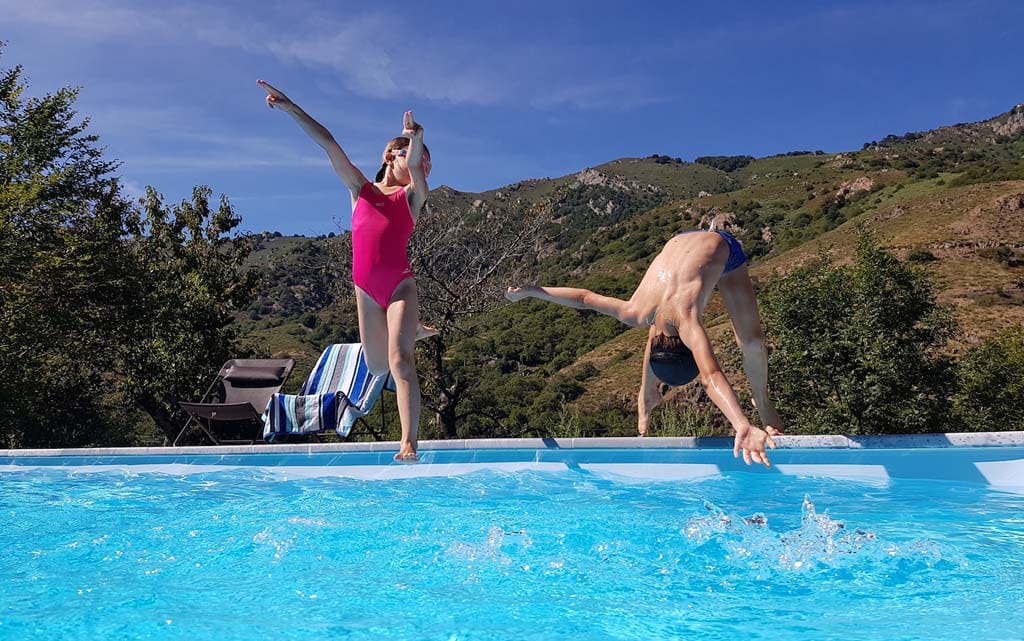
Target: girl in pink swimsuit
383,215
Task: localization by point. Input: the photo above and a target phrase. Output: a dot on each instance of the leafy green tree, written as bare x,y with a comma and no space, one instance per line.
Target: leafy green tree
106,309
190,283
854,348
61,271
991,387
725,163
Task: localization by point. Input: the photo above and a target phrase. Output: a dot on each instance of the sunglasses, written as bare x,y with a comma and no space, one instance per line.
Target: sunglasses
405,152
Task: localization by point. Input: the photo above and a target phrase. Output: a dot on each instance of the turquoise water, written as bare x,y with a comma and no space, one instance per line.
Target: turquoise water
241,554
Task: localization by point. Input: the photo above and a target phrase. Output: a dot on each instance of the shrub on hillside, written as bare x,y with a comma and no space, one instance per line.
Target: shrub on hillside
725,163
665,160
991,384
854,346
921,256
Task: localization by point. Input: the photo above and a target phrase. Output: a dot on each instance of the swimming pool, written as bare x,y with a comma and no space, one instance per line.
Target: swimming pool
562,540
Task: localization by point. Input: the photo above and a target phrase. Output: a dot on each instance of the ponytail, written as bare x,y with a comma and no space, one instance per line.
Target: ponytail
380,174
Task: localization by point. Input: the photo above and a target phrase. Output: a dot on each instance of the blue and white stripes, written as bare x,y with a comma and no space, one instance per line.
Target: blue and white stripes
338,391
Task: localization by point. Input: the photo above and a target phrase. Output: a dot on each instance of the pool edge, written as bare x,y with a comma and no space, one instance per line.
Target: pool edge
892,441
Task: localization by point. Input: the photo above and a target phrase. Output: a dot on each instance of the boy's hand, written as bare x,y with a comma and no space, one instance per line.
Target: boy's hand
517,293
752,440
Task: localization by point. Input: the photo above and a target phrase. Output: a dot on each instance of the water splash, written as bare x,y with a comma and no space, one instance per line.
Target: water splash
491,550
821,543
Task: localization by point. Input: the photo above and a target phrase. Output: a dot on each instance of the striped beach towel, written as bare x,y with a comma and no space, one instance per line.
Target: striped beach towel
338,391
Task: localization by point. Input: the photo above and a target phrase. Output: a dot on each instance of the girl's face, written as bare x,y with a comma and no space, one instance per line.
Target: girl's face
397,157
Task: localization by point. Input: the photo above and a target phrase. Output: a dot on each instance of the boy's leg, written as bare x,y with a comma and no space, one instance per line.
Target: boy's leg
650,390
741,303
577,298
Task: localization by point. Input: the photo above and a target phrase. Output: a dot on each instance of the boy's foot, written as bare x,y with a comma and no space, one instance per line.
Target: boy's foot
423,331
517,293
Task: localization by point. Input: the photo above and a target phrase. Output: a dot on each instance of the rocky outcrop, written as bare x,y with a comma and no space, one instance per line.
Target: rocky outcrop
592,177
716,218
1013,124
864,183
841,160
991,131
607,210
1012,203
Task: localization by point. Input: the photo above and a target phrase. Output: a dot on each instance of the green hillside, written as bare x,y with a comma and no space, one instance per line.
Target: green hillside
950,201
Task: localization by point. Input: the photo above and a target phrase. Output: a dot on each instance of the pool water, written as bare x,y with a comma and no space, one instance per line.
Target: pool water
243,554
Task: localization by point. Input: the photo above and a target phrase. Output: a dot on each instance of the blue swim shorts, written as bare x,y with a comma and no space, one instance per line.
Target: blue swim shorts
736,256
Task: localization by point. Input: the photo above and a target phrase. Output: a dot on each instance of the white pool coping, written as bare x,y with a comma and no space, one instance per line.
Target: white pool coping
994,459
891,441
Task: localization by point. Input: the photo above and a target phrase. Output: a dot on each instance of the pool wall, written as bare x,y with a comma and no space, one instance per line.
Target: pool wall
989,458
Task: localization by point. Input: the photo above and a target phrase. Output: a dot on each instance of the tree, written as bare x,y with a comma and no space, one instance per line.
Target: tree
725,163
61,223
106,308
190,282
991,384
854,348
463,264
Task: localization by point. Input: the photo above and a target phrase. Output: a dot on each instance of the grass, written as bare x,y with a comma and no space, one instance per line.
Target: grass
685,420
677,180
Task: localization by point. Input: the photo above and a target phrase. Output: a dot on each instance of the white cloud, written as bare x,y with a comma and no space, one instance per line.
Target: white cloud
124,128
371,57
77,20
132,189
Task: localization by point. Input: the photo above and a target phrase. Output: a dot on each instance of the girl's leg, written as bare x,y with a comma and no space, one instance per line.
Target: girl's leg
741,303
373,332
402,324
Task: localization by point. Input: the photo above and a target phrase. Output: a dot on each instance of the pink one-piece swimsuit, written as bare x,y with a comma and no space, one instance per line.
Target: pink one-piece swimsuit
381,227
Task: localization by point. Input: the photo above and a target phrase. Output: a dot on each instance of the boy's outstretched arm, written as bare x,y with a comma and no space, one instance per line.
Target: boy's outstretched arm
578,298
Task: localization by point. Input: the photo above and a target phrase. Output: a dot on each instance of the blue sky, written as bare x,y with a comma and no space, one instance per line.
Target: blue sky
506,90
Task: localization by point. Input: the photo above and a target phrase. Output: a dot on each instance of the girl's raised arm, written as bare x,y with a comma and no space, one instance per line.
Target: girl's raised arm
349,173
417,191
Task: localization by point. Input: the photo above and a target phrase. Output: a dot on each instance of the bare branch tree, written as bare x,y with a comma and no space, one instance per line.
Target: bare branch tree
463,261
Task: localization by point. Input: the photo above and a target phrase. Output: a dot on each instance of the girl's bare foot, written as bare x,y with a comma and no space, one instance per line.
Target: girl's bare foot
407,453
